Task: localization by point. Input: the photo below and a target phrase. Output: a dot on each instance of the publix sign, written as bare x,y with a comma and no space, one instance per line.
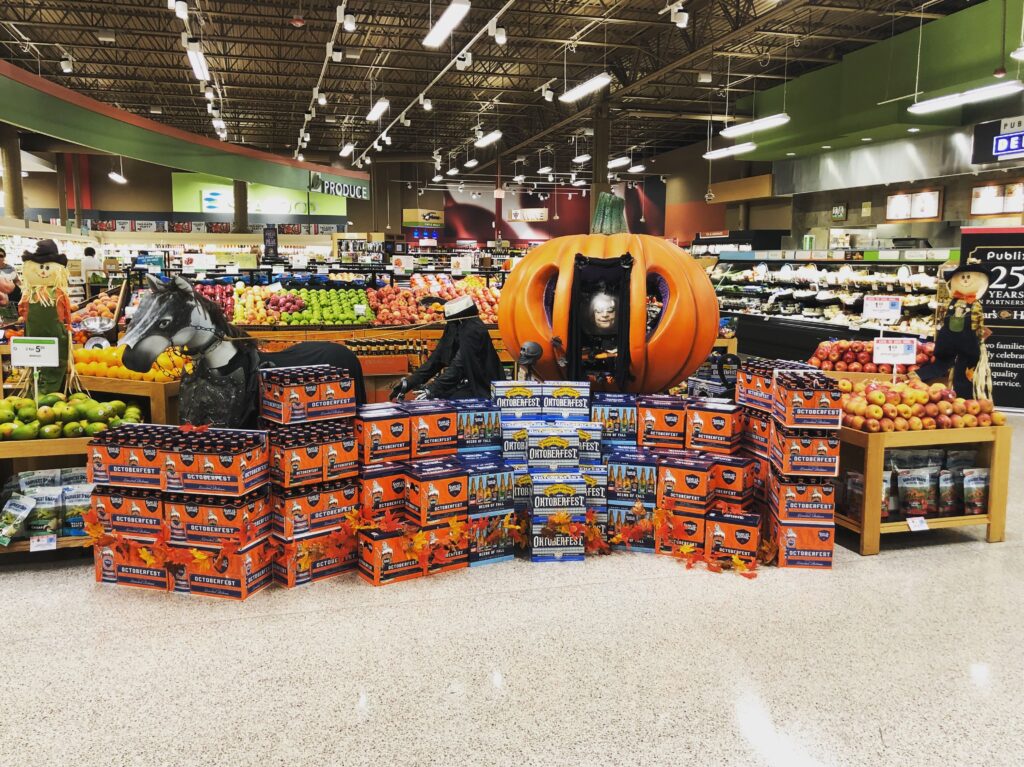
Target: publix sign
357,190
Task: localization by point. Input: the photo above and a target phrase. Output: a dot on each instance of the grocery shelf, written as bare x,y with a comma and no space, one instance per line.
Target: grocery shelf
865,452
162,396
38,448
63,542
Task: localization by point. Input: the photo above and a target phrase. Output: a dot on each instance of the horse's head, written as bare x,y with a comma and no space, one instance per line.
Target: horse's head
166,317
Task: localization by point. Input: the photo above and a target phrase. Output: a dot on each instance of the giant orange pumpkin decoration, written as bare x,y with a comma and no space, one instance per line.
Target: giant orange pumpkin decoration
542,298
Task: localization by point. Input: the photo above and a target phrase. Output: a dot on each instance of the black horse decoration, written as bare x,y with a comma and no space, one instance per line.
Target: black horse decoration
223,388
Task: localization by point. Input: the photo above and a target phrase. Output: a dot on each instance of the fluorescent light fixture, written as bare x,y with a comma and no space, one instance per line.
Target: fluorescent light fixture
680,18
305,136
544,169
579,182
116,177
500,36
581,158
336,51
1018,55
866,139
322,99
66,65
638,168
437,178
730,151
377,110
519,179
194,49
585,88
330,119
446,23
551,177
219,124
368,160
426,103
156,110
472,162
790,154
453,171
972,96
209,107
387,139
619,162
547,93
208,92
826,146
300,157
348,149
181,10
170,5
349,23
760,124
488,138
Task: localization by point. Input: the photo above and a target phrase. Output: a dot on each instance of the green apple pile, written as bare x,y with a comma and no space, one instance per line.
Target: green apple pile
329,307
54,416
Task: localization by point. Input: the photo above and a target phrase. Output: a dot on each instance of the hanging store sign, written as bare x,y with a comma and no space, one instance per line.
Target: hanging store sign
530,215
350,188
998,140
422,217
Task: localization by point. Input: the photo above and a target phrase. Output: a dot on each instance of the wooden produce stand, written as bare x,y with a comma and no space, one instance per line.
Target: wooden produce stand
727,345
865,452
163,397
25,455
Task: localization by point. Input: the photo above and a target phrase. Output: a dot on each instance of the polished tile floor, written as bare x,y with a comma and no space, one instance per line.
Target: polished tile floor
913,657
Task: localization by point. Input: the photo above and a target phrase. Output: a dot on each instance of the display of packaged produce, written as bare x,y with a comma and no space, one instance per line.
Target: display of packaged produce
12,518
831,292
913,405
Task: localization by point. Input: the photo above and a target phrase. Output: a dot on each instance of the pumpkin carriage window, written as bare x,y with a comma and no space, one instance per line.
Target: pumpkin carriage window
599,319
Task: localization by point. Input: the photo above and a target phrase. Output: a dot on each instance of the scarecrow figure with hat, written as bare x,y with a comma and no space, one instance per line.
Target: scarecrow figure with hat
961,334
45,307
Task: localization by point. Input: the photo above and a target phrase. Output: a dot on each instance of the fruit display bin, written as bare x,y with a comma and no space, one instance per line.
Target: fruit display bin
163,397
865,452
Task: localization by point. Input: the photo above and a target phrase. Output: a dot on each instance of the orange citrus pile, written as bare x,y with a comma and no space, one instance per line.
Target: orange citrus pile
106,363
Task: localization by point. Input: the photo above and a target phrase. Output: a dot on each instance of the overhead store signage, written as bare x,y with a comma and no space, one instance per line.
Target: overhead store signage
997,199
1003,251
528,214
422,217
356,190
912,206
998,140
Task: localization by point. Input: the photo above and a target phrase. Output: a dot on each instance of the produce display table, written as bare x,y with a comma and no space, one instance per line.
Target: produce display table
32,454
163,397
863,451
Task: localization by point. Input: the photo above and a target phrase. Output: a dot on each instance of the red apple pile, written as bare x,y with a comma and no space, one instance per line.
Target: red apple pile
856,357
222,295
912,406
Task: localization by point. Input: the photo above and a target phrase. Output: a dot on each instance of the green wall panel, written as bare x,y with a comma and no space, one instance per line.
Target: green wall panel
187,190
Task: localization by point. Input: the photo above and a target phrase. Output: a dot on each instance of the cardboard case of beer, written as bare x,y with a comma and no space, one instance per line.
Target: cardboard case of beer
562,493
123,562
434,427
756,430
662,421
204,520
589,433
807,401
435,492
804,452
311,453
801,499
732,479
226,572
382,432
224,473
685,528
729,534
617,415
518,399
384,558
803,544
490,486
554,447
478,425
566,400
595,479
125,466
621,516
556,547
761,466
317,558
489,541
515,437
632,477
714,427
304,511
447,552
330,396
131,512
382,487
685,483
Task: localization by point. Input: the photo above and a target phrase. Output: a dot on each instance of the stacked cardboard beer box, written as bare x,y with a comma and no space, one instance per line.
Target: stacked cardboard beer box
793,419
182,510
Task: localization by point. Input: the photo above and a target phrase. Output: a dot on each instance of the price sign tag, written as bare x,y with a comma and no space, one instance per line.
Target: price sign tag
277,287
917,524
201,276
300,262
277,269
461,265
34,353
188,269
359,309
883,308
895,351
322,270
42,542
400,264
231,269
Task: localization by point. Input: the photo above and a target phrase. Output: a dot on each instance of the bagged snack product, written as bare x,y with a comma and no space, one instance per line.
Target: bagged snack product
45,517
76,499
887,495
29,480
853,503
918,494
76,475
975,491
951,501
16,510
958,460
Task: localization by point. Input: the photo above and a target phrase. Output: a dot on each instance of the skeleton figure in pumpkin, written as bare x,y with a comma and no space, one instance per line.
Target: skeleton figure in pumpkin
46,308
961,330
600,331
